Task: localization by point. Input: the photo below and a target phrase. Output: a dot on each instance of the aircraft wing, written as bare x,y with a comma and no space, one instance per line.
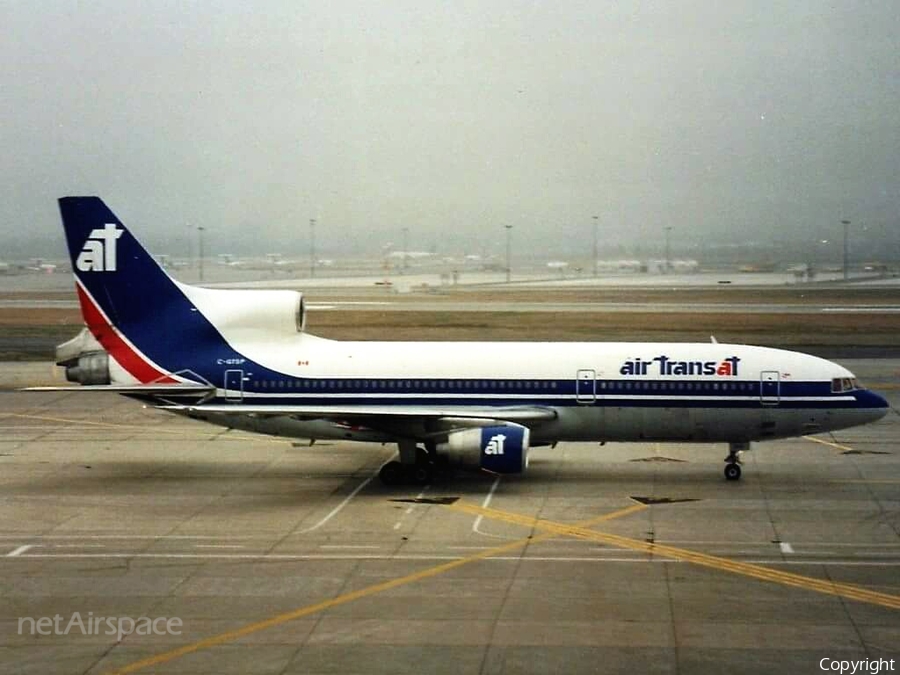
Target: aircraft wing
512,414
377,415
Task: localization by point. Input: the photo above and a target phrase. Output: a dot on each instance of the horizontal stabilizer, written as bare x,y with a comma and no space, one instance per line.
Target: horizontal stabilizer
148,389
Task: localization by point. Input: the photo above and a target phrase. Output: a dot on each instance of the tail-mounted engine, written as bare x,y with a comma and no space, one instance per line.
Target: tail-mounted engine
84,359
91,368
499,449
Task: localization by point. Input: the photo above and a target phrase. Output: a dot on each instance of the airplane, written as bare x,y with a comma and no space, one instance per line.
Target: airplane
243,359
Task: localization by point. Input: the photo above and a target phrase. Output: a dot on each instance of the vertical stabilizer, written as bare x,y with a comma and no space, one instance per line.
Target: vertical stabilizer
131,306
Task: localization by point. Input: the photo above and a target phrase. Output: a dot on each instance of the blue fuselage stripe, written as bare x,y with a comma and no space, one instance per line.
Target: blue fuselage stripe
508,392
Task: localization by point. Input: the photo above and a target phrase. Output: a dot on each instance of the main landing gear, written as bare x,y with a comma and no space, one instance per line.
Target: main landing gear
733,461
417,466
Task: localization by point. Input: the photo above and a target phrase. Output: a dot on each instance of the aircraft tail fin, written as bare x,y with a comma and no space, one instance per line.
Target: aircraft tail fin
136,311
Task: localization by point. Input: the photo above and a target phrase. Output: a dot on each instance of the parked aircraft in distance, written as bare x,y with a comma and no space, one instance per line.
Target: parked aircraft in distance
242,359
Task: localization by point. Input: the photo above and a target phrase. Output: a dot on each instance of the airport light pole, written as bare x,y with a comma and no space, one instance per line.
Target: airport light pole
846,224
312,247
190,247
200,229
508,239
596,219
668,229
405,248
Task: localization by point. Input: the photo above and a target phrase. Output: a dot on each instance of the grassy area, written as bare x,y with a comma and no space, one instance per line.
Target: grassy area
725,294
33,333
782,329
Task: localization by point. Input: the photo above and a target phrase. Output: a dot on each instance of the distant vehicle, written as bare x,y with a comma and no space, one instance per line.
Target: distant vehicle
672,266
242,359
757,268
410,255
621,266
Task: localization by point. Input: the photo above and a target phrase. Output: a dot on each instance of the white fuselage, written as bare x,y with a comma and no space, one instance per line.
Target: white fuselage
599,391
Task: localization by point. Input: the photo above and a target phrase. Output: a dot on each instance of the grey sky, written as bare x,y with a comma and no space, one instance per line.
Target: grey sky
727,120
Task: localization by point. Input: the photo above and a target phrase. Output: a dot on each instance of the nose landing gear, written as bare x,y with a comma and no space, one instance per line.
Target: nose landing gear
733,461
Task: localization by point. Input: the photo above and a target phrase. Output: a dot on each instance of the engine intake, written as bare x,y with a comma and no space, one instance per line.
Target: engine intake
499,449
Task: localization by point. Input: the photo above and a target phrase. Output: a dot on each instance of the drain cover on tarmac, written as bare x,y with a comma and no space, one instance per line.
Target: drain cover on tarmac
428,500
657,458
649,501
865,452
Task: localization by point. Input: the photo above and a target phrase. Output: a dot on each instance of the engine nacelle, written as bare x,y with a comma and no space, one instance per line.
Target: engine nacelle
90,368
250,311
499,449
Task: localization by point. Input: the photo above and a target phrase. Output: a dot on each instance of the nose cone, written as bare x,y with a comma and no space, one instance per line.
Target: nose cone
872,405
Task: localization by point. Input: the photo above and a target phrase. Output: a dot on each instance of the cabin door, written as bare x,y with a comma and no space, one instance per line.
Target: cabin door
586,386
769,387
234,385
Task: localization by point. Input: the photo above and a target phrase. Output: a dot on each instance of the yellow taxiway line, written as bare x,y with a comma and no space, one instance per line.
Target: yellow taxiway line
848,591
830,444
249,629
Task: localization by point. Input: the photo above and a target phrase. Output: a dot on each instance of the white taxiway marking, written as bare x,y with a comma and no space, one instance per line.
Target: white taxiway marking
337,509
877,309
378,556
410,508
786,547
484,505
19,551
349,303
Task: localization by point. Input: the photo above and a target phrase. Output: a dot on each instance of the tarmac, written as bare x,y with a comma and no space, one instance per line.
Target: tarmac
280,557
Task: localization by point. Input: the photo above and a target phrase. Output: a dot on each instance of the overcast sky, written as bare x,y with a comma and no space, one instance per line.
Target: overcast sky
724,120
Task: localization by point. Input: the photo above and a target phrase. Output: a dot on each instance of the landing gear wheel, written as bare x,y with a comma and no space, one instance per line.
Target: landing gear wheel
421,473
732,471
391,473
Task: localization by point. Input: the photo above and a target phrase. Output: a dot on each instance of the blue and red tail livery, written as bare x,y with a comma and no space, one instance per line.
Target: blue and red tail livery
139,314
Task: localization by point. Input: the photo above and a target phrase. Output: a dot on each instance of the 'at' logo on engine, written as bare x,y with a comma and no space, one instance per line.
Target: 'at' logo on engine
99,251
495,445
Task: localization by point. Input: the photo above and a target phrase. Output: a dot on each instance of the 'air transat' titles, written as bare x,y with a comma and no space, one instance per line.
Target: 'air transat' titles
663,365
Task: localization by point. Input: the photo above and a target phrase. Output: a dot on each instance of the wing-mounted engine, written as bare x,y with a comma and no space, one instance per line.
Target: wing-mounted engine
499,449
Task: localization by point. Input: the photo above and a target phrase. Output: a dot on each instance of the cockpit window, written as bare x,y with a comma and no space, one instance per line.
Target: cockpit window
842,384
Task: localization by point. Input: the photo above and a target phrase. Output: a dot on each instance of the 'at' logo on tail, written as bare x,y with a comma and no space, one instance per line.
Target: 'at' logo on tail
99,251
